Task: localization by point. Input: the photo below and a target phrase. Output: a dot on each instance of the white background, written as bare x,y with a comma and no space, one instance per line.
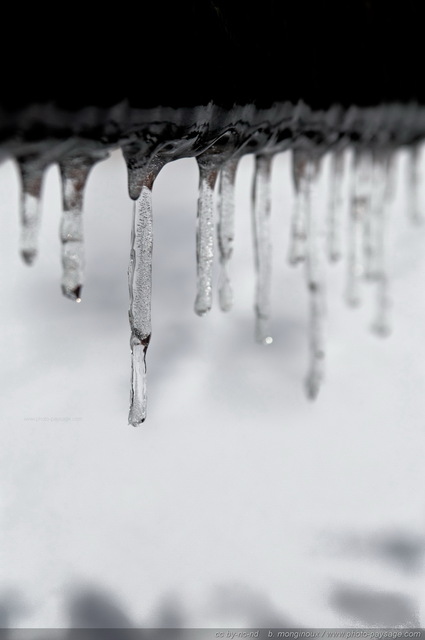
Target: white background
238,502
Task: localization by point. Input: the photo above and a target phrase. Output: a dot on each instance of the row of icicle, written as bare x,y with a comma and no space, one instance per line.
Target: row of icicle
371,190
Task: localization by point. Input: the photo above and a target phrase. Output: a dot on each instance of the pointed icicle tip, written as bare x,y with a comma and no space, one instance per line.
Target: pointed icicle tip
72,294
133,422
28,257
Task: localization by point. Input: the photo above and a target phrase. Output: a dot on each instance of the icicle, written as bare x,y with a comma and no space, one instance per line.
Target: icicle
140,286
225,229
298,238
261,209
74,173
32,180
382,175
335,205
208,171
359,212
373,220
413,161
315,282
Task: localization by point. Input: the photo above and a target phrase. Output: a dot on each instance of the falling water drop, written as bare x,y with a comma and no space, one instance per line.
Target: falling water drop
336,203
315,280
358,223
208,171
261,209
140,288
413,179
74,173
31,174
225,229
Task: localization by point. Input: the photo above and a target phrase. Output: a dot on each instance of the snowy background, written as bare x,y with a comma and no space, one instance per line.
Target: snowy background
238,502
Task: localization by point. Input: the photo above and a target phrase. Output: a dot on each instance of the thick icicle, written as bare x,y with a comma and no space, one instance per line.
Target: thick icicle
225,229
261,209
30,210
413,181
298,238
336,203
315,281
208,171
74,173
358,228
140,286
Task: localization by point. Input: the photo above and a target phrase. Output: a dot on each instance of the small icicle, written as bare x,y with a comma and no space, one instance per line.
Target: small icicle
359,212
334,239
140,288
382,175
373,220
261,209
413,181
315,282
381,325
225,229
297,249
208,171
74,173
30,210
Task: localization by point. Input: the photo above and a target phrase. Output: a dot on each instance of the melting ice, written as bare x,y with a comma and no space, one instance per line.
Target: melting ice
217,139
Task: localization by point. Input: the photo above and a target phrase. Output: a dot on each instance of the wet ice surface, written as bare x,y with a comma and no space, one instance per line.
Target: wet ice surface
230,493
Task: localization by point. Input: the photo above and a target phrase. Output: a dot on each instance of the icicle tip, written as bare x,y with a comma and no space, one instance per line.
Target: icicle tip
72,294
28,257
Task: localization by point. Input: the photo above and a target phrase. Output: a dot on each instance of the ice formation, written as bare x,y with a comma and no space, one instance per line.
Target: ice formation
217,138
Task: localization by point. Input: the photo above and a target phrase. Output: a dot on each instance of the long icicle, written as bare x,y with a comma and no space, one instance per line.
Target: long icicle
359,211
226,229
74,173
297,247
382,164
261,210
140,288
413,181
31,175
208,171
315,282
336,202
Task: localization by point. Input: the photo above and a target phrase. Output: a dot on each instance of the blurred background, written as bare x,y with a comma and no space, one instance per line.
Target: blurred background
239,502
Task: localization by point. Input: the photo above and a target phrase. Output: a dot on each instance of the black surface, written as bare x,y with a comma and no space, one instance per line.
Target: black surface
189,53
